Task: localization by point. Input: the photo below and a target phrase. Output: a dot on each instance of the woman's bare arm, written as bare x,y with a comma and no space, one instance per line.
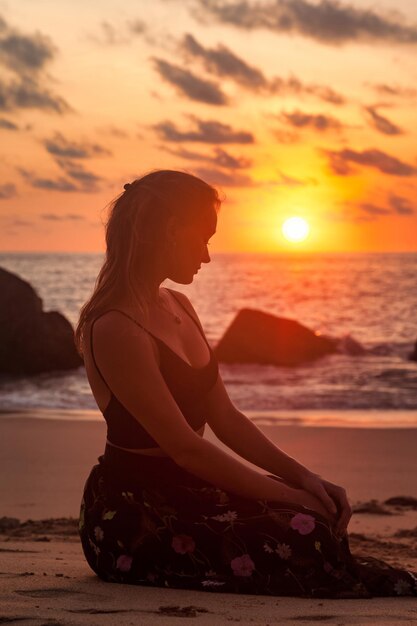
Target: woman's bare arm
126,358
240,434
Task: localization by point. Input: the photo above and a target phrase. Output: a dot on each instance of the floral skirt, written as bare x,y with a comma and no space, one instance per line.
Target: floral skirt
146,521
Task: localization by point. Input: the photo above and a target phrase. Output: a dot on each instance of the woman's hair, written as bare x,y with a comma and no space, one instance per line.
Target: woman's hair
136,235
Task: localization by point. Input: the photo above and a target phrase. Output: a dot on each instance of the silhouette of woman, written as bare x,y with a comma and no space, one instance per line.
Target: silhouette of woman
164,506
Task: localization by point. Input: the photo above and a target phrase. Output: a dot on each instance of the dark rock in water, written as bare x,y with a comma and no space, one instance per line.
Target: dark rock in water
349,345
31,340
402,501
8,523
258,337
413,355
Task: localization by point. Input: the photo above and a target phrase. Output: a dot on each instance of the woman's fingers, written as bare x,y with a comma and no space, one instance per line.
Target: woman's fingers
345,514
328,502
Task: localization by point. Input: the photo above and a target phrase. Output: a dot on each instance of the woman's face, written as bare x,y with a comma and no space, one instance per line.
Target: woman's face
191,247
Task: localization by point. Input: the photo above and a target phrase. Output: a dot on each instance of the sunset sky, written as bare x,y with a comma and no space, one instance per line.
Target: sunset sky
291,107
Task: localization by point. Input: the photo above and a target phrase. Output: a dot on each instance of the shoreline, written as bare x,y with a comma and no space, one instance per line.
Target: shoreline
45,462
307,418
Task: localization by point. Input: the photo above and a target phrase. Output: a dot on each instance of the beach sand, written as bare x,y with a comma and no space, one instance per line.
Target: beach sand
45,579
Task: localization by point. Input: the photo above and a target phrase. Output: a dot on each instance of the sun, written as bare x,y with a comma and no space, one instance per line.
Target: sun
295,229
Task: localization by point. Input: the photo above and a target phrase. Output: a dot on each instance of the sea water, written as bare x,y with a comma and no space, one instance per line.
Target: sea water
370,297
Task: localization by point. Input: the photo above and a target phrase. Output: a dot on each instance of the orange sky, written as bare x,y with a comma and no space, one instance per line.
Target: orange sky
315,118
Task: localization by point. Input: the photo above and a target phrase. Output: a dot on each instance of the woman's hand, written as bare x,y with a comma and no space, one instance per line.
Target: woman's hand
332,497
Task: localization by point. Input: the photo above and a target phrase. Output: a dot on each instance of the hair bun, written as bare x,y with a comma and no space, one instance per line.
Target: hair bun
126,186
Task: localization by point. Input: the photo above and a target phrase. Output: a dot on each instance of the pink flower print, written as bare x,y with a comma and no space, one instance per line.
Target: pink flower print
124,562
242,565
183,544
305,524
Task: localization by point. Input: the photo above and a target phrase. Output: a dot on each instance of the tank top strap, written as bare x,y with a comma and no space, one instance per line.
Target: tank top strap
91,337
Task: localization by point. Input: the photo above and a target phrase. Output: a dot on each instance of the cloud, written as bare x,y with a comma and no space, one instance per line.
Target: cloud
382,124
87,179
396,205
28,94
138,27
373,209
222,62
292,181
7,125
328,21
209,131
220,158
319,122
401,206
27,57
59,146
215,176
55,217
190,85
25,54
57,184
395,90
7,190
339,162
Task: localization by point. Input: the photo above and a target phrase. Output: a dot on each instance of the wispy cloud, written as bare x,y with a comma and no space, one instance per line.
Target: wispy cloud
49,184
215,176
189,84
59,146
8,125
285,180
328,21
381,123
24,54
221,158
29,94
395,90
316,121
27,57
224,63
59,217
7,190
207,131
339,162
76,171
395,205
400,205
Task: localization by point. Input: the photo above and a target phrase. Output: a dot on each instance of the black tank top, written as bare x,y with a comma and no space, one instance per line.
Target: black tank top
188,385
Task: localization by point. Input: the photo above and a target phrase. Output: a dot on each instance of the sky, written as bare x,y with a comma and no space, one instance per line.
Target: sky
290,107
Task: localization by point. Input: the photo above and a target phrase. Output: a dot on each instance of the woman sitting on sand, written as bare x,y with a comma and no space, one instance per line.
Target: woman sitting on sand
164,506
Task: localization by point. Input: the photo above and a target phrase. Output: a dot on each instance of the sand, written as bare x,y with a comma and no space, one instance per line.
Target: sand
45,579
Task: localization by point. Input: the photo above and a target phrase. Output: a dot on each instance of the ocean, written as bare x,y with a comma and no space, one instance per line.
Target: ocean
369,297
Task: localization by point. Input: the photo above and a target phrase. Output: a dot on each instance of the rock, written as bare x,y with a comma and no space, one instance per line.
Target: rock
402,501
8,523
31,340
349,345
258,337
413,355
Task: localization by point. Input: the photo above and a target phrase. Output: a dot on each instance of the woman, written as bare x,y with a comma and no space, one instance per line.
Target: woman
164,506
